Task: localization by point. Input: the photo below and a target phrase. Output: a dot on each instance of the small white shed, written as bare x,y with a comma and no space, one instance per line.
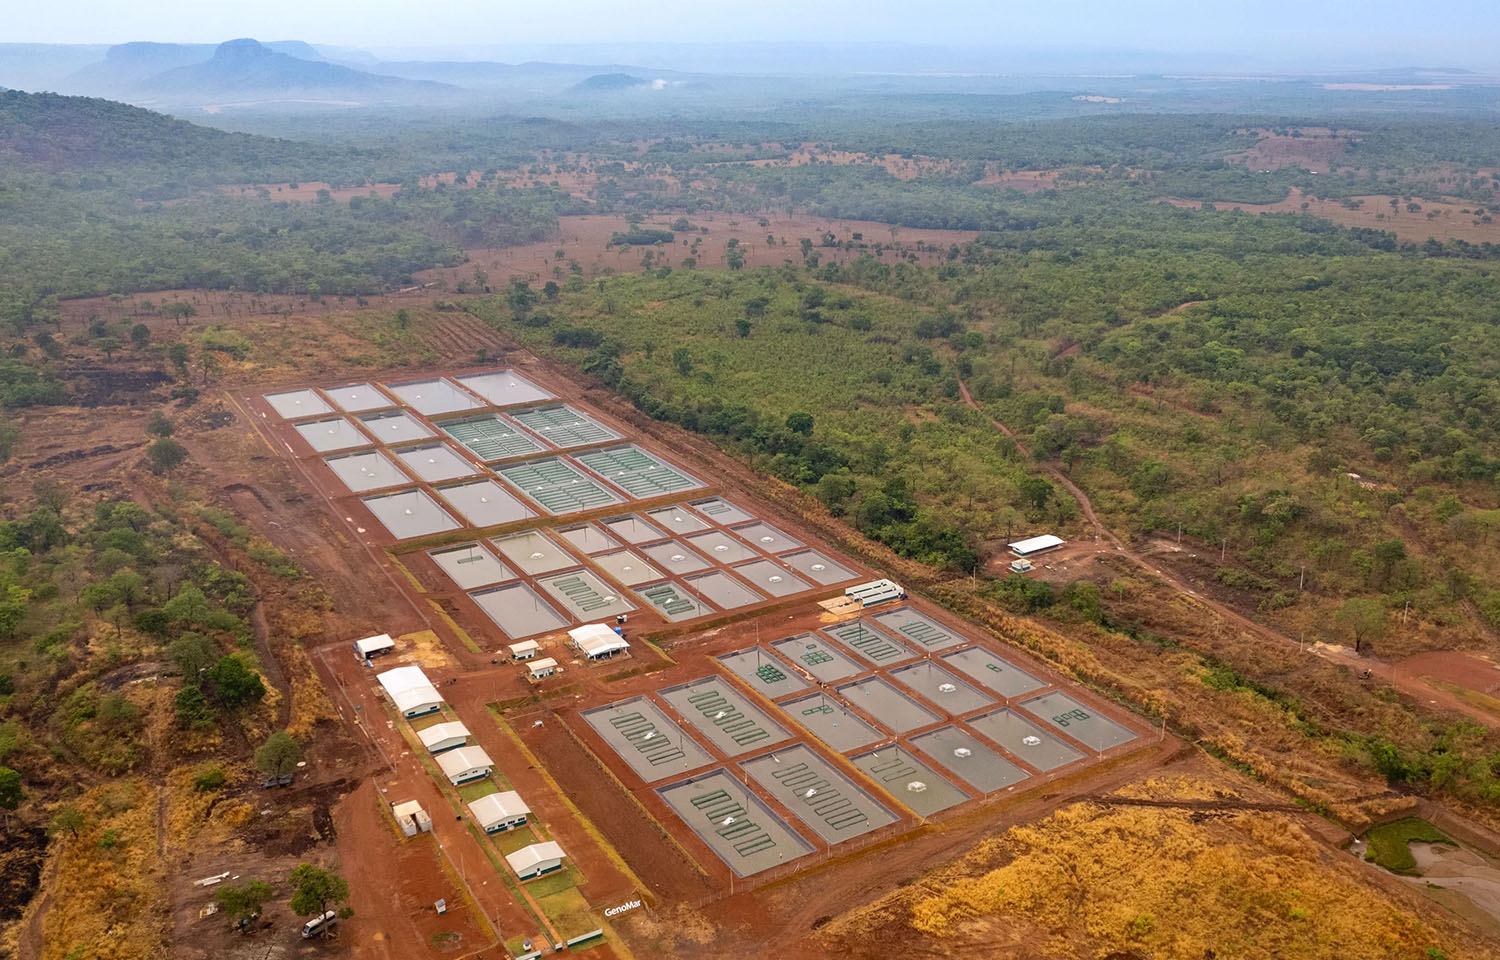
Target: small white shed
375,646
544,667
442,737
524,650
535,860
412,818
876,591
499,812
597,641
464,764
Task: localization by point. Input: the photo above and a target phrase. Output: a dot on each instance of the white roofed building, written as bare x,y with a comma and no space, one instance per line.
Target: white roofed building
463,764
441,737
374,646
411,691
498,812
535,860
596,641
1027,547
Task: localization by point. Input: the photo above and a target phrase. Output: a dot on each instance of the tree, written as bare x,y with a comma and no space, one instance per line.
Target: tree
179,355
11,793
1036,491
1364,618
191,652
68,819
278,755
243,903
1389,553
108,345
550,290
179,311
682,360
235,684
800,422
742,327
193,710
208,362
403,318
166,455
140,335
314,889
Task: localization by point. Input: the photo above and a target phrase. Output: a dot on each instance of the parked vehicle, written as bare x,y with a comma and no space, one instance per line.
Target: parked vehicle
317,925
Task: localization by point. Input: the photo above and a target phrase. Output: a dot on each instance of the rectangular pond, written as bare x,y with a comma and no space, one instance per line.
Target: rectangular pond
484,503
941,687
370,470
817,567
646,739
632,529
925,632
557,485
471,565
627,567
563,426
675,557
434,397
585,595
959,753
678,520
325,436
410,513
588,538
637,472
766,538
1025,740
735,824
831,721
518,610
722,590
435,462
673,601
722,547
491,437
533,552
296,404
1083,723
359,397
503,387
874,645
721,511
996,673
819,658
397,426
876,697
818,794
724,716
911,781
772,578
764,673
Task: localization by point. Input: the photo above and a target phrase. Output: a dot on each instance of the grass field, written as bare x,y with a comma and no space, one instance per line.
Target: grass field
1389,844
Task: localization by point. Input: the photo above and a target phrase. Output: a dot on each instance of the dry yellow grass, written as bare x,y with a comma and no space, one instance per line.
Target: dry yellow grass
424,648
1167,883
106,905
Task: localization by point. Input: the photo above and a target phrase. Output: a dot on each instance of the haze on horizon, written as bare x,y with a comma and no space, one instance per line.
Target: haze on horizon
1304,33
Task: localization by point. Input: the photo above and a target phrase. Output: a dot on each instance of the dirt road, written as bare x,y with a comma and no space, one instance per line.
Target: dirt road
1409,681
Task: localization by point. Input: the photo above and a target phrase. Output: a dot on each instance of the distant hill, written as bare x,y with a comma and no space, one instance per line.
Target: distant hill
84,133
126,65
611,81
249,69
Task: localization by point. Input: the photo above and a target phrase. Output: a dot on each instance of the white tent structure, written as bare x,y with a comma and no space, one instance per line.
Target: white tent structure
876,591
374,646
411,691
535,860
596,641
1031,545
498,812
441,737
463,764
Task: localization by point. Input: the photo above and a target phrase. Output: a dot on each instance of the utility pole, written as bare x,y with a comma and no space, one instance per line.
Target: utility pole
1301,578
1223,548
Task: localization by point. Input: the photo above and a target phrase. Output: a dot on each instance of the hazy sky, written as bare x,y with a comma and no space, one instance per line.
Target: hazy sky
1436,31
